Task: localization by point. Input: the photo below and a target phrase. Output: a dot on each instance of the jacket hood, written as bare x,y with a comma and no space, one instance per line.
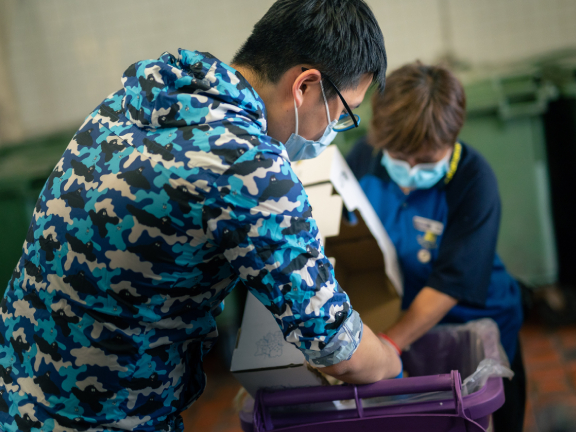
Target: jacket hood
173,91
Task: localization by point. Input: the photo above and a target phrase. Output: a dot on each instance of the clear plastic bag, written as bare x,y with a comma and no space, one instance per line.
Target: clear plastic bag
487,368
473,349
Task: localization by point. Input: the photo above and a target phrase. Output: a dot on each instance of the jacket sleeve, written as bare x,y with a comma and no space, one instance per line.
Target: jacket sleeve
261,220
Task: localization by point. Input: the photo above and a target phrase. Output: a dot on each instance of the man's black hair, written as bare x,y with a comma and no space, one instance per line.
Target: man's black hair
340,38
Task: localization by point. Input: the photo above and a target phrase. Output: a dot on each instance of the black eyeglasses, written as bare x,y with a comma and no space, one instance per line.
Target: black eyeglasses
346,121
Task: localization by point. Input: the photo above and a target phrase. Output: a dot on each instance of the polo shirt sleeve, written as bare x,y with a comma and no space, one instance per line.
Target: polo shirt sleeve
261,221
468,246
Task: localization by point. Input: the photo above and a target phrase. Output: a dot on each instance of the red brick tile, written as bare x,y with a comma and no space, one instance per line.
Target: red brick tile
545,381
530,328
536,345
546,387
533,332
548,359
570,366
572,378
531,428
567,336
554,399
531,388
529,418
214,410
556,373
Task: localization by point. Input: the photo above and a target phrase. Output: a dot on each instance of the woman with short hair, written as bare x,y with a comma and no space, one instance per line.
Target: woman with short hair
438,199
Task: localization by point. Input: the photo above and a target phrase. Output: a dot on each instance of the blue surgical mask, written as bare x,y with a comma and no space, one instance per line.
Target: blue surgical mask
300,148
421,176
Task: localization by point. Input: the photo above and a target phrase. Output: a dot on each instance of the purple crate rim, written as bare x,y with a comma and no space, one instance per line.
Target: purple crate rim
473,409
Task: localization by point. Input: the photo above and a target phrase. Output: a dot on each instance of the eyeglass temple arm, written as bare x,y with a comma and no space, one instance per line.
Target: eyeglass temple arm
339,95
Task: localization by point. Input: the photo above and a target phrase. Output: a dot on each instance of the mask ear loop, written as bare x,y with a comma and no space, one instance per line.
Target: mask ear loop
296,112
325,102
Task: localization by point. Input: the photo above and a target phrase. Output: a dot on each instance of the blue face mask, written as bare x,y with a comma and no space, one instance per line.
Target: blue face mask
421,176
300,148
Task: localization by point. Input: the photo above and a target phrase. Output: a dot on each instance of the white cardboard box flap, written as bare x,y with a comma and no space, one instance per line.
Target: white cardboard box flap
326,209
263,358
260,344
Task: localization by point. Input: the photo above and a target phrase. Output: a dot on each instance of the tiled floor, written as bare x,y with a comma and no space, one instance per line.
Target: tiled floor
214,411
550,361
549,358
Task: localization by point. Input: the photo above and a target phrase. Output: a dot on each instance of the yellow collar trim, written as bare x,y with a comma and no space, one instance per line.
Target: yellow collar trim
456,155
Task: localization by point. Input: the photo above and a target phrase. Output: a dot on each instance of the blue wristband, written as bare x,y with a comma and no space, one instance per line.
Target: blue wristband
401,369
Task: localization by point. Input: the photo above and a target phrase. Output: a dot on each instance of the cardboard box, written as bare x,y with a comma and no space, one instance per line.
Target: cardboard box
262,358
365,264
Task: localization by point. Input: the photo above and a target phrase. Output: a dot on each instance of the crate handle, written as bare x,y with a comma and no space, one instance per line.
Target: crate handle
297,396
457,391
459,402
359,407
264,400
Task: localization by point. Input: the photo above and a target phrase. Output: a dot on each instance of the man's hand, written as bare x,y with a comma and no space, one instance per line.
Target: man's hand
373,361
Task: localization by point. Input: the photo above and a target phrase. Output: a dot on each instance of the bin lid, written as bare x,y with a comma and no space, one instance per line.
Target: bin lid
509,91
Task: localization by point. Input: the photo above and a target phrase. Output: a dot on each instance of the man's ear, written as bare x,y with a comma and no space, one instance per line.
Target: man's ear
302,84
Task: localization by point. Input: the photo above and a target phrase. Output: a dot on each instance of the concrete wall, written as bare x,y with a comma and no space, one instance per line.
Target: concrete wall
60,58
65,56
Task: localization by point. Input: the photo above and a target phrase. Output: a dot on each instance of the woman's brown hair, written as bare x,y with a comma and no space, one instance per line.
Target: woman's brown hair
422,107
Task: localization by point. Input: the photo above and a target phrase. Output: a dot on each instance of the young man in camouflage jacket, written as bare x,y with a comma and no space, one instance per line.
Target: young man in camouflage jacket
176,188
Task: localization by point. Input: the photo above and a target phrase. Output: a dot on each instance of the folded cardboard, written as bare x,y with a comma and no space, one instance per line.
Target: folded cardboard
262,358
365,265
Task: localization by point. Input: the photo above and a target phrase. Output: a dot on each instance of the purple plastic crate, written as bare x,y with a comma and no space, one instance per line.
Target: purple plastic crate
447,412
458,413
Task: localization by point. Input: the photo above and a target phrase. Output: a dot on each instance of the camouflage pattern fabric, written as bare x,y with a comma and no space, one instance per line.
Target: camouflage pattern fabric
168,195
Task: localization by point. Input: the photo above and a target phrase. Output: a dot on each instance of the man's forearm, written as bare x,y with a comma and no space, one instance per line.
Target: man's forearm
372,361
427,309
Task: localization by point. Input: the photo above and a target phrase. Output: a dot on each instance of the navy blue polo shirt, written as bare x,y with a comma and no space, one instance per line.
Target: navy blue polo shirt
446,237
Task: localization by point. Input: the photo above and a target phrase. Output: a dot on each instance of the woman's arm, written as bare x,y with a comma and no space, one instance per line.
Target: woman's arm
427,309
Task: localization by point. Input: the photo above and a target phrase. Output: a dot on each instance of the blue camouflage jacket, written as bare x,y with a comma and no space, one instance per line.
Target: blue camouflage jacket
168,195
